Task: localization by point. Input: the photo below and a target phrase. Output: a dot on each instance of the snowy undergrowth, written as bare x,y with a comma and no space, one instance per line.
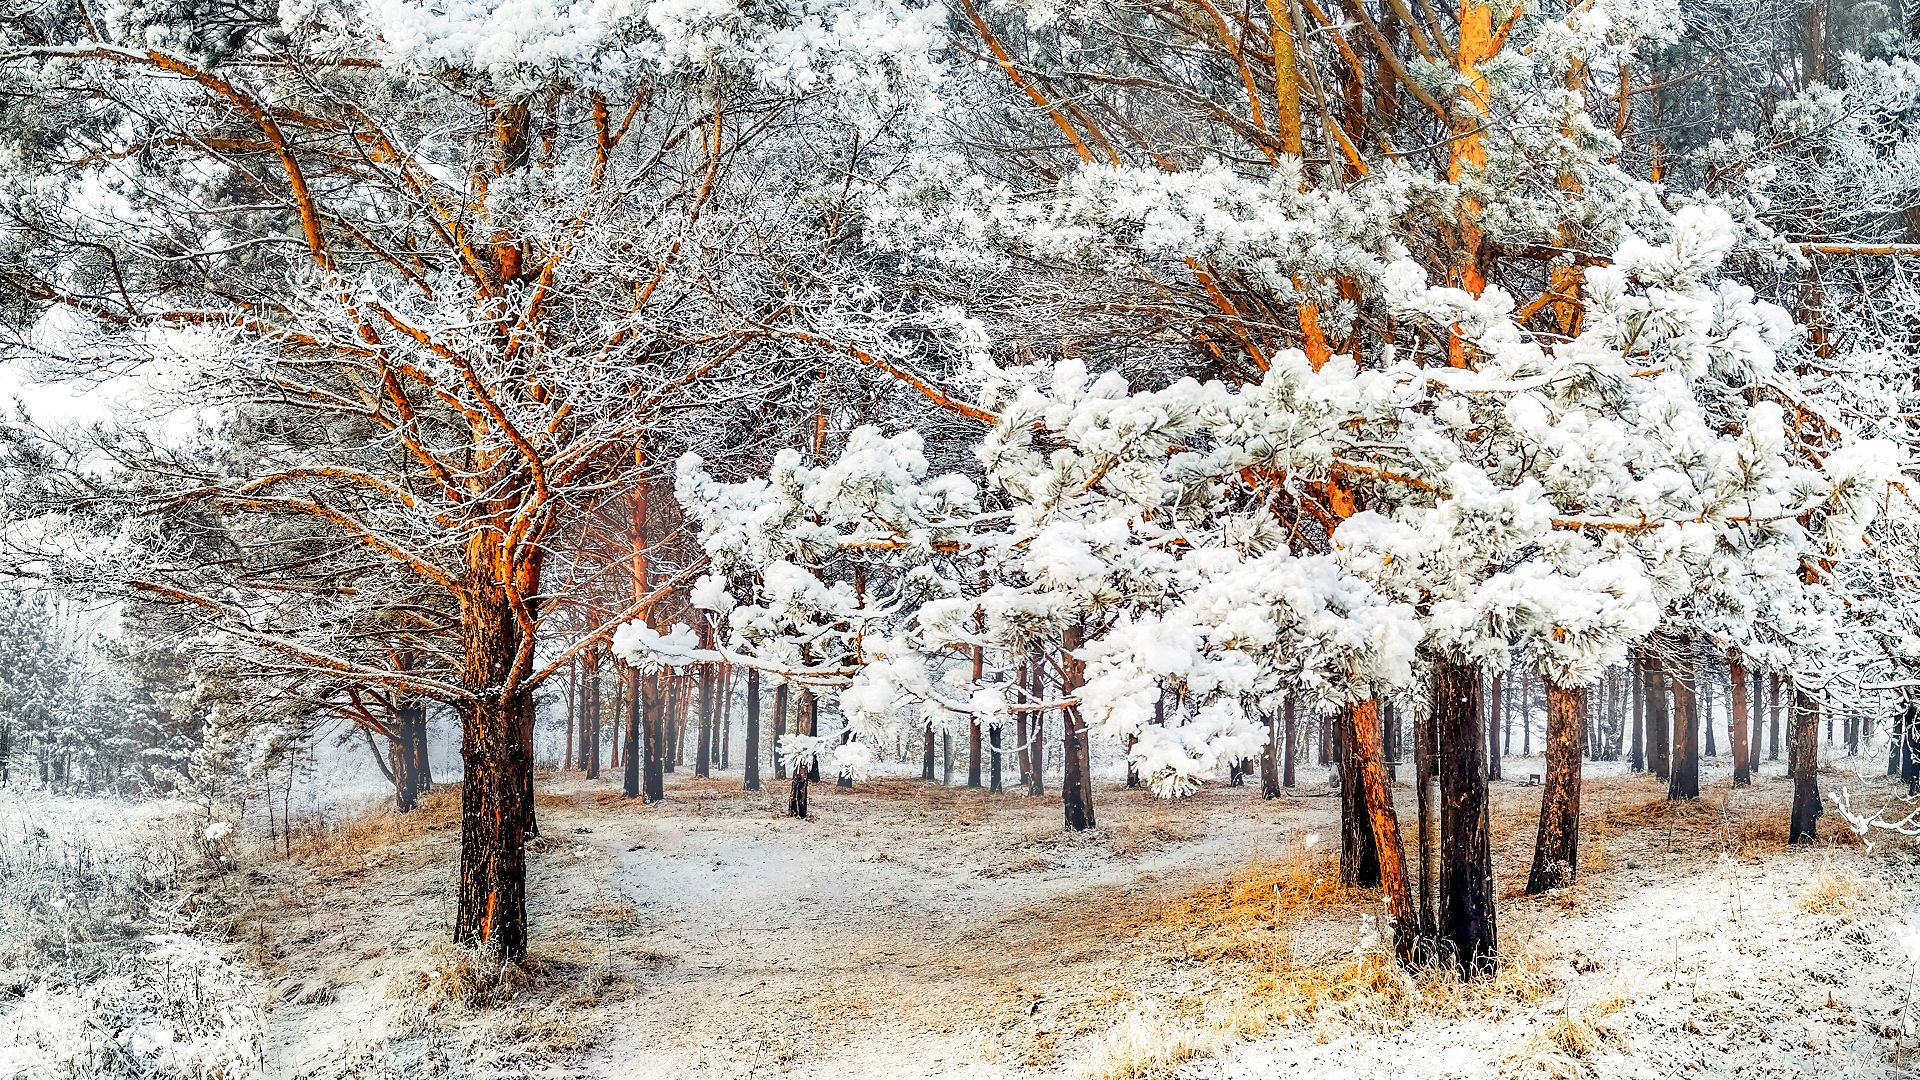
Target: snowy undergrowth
100,974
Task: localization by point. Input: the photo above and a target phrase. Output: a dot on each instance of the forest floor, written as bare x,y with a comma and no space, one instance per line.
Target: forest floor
919,930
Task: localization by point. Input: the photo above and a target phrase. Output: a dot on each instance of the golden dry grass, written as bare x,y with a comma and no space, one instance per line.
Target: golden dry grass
351,844
1834,891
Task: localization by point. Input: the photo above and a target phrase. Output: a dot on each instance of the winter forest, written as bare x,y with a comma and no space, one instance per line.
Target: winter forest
859,539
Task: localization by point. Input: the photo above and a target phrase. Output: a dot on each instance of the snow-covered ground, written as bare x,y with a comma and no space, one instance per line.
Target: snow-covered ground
915,930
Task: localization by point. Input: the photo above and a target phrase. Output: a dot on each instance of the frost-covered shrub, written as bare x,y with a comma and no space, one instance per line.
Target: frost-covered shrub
97,976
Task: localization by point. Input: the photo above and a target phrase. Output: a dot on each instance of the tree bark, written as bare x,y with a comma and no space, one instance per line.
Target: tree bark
1466,933
1427,780
494,812
1683,781
630,776
1023,756
1286,763
573,682
1556,849
926,751
1495,701
1737,723
1076,796
1383,826
1269,759
1654,684
1756,720
973,723
993,738
653,731
779,729
703,756
590,708
1806,769
797,787
1773,704
1637,690
751,781
1359,852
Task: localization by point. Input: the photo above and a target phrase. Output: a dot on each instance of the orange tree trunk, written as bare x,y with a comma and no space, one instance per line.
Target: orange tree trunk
1390,863
1556,849
1465,934
1359,853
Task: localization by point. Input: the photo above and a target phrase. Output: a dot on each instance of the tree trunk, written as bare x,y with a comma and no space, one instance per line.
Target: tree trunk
1359,853
1806,768
494,811
1637,678
751,762
1286,762
993,737
630,777
1737,723
1494,723
1466,932
726,717
946,757
1037,781
1269,759
1773,705
841,777
1427,780
573,682
1023,756
1556,849
926,751
1703,698
1654,684
1756,721
779,729
703,756
1076,796
590,708
1383,826
973,723
653,731
797,787
1683,781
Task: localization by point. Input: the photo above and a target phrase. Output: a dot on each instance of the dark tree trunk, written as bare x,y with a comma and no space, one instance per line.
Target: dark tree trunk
1683,781
926,751
841,777
946,757
993,737
670,725
1636,677
1269,760
1359,855
1737,723
726,718
630,777
1466,934
1556,849
810,713
1654,683
779,729
573,684
973,723
494,812
1757,724
1076,795
1773,705
1806,768
751,782
653,693
1289,750
1427,780
590,709
797,786
1703,699
703,755
1494,724
1023,756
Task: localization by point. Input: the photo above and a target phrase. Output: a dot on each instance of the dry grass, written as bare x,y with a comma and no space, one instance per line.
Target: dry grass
478,978
1244,932
1835,891
352,844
